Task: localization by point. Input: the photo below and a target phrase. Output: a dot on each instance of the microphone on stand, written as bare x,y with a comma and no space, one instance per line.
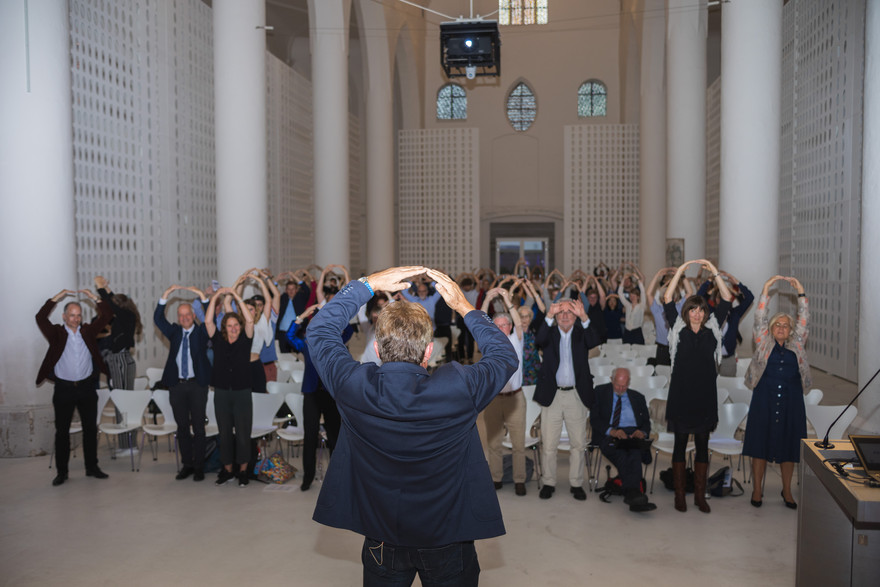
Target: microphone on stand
824,444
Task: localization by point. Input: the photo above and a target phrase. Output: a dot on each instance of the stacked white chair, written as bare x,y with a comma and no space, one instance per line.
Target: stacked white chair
131,404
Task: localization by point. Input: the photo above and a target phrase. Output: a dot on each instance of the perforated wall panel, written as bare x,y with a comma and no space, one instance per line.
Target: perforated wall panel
290,189
713,168
823,57
143,149
601,195
439,203
357,210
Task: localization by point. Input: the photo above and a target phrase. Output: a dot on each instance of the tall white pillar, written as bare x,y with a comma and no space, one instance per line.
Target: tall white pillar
240,136
686,32
652,139
868,420
380,142
751,57
37,218
329,40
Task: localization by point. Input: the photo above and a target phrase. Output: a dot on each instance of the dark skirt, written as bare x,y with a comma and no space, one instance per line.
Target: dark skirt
633,336
777,418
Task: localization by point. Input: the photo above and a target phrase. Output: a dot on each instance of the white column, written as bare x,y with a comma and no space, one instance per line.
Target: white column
686,119
751,57
380,142
868,420
329,40
240,136
37,215
652,140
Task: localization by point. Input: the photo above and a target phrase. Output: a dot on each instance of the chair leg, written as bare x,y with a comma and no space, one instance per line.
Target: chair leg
654,474
131,450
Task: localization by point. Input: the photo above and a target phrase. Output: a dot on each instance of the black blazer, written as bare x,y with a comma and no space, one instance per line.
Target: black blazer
582,340
198,349
56,334
600,415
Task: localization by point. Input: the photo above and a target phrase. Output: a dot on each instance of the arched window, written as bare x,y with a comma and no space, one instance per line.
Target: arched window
521,107
522,12
452,103
592,99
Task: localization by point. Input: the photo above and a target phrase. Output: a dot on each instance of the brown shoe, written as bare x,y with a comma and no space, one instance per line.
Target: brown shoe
678,479
701,470
520,488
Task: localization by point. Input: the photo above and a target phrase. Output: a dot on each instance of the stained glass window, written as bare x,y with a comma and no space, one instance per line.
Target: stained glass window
521,107
592,99
522,12
452,103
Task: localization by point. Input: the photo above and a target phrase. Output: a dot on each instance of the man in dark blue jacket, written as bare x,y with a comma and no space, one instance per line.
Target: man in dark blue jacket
186,376
409,472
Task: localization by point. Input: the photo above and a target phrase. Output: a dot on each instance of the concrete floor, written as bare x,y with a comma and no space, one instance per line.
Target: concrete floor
145,528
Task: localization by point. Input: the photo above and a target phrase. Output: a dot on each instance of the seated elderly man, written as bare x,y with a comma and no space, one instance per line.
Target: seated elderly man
620,418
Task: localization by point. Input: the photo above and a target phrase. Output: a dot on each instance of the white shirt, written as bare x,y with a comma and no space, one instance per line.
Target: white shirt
75,363
262,334
515,381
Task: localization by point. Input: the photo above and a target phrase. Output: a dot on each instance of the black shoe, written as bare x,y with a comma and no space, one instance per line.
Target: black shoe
59,479
305,484
243,479
520,488
498,485
224,476
789,504
579,493
547,492
198,475
96,473
756,502
184,473
643,507
635,498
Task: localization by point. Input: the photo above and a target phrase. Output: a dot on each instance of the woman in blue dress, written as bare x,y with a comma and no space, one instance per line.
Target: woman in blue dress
778,374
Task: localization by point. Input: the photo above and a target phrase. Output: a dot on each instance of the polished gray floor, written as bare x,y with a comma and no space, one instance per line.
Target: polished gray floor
145,528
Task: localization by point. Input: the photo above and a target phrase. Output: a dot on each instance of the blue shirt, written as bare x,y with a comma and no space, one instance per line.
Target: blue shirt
627,417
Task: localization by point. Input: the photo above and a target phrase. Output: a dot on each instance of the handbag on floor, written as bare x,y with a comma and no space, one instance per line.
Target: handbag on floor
274,469
722,483
669,483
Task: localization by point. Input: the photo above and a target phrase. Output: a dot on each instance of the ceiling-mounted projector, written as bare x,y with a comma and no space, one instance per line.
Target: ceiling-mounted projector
470,48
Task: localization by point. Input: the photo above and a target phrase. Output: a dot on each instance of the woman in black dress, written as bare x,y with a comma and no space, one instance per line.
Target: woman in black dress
231,378
692,405
779,373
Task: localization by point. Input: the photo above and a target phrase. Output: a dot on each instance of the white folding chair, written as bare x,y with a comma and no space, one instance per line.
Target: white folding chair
814,397
742,365
740,396
282,389
723,440
211,427
265,406
664,370
722,395
821,418
131,404
293,434
642,371
154,376
731,382
533,412
602,370
168,427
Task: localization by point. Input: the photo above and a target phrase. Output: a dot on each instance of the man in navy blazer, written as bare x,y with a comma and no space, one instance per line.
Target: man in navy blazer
186,376
619,416
565,390
409,471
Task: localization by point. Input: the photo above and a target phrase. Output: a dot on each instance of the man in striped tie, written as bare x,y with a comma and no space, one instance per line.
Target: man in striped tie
621,422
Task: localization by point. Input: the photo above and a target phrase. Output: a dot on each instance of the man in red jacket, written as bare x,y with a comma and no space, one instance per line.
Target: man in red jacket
74,363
